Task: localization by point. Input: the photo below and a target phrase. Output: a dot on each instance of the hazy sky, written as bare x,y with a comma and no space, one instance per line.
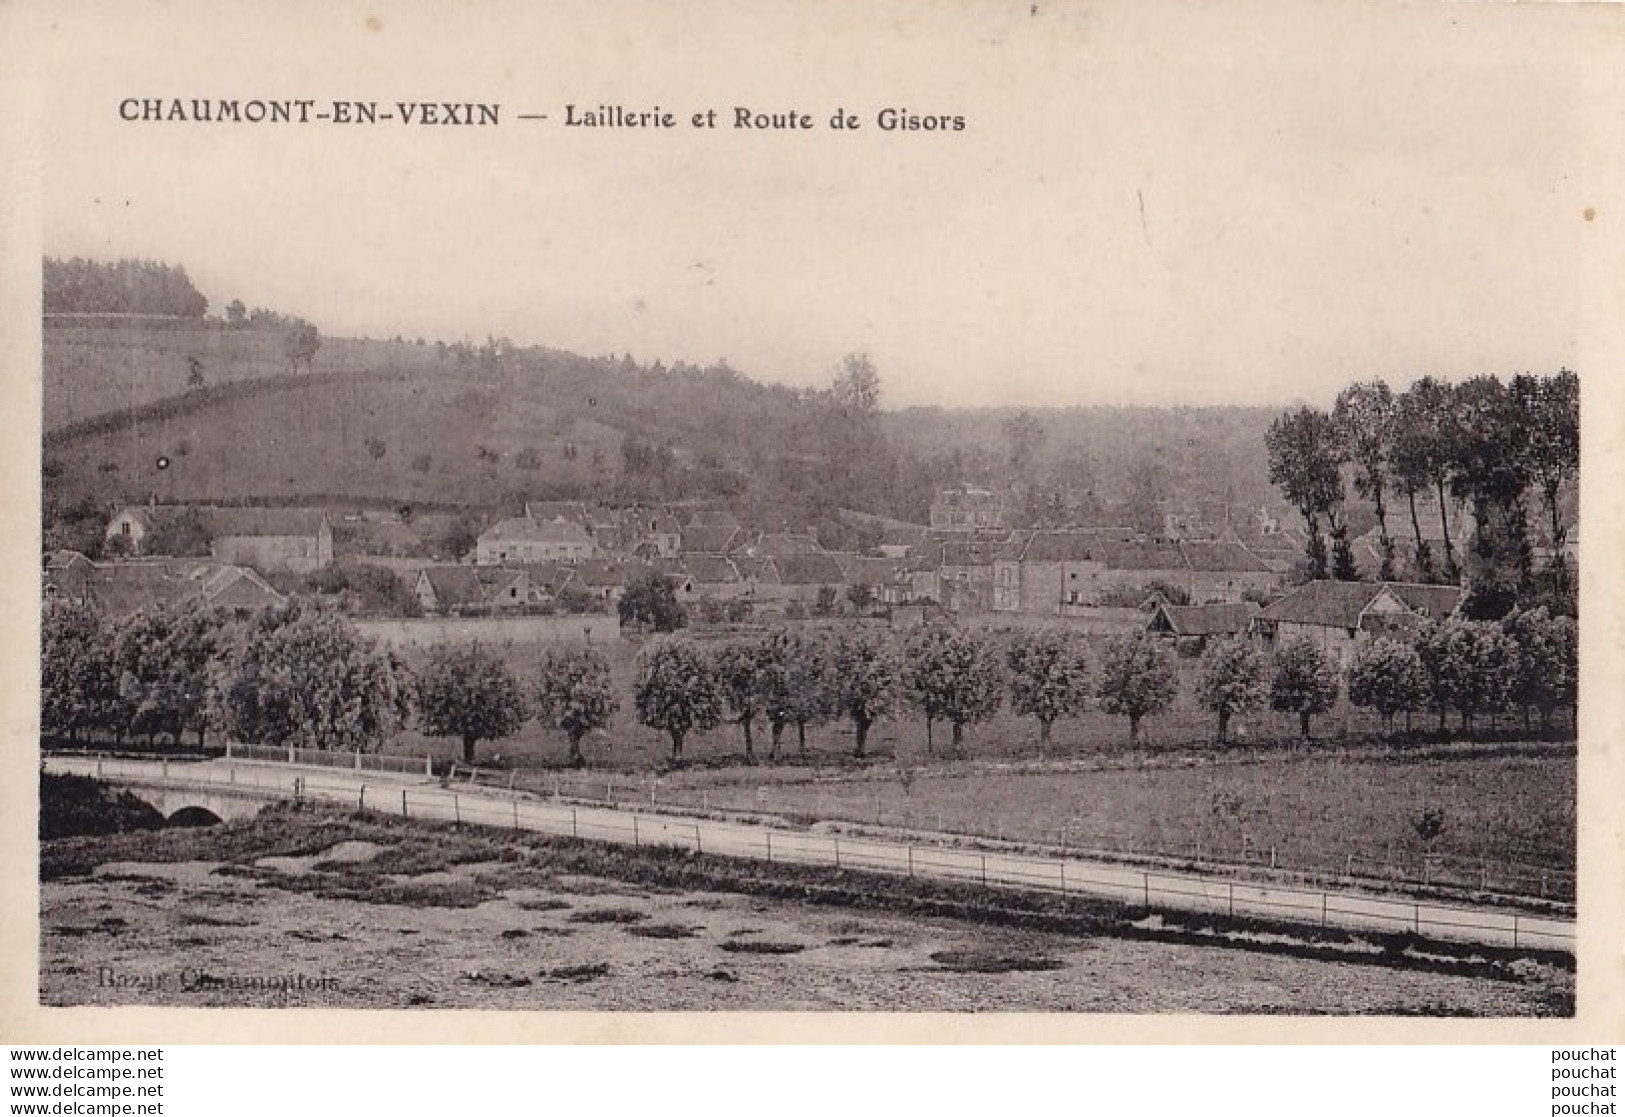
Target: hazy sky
1242,204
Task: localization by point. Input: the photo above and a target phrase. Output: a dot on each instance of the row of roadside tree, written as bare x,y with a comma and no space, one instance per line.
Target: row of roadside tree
304,676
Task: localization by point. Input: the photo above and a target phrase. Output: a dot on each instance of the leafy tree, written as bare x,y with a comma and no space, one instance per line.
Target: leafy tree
305,677
651,599
184,534
742,667
81,286
1230,681
857,385
1023,437
953,674
366,589
1422,457
867,682
194,373
1138,679
824,605
1364,417
1304,682
1552,406
162,658
574,694
860,596
1049,675
1304,455
300,343
78,683
1471,665
1548,661
465,692
1489,432
1387,676
236,312
798,684
1343,565
677,690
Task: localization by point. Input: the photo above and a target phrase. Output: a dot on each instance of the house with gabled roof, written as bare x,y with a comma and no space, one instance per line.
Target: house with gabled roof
518,540
1044,572
968,508
1201,623
1338,617
297,540
121,588
506,589
549,579
606,579
886,579
1225,571
780,544
715,576
710,539
801,577
897,539
129,528
449,590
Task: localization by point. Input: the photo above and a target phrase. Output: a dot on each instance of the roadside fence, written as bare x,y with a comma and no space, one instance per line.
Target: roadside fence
1154,890
354,761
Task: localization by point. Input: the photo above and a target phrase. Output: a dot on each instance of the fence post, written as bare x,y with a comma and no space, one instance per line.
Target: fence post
290,754
575,829
1272,857
1348,867
456,810
1323,912
1063,877
635,839
837,842
910,860
770,847
1230,887
984,868
403,803
358,760
1145,879
697,848
361,803
1514,930
1416,911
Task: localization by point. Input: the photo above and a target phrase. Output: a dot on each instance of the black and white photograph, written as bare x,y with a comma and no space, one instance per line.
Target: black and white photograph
977,509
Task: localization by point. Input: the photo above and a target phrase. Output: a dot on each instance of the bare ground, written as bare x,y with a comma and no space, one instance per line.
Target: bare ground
498,935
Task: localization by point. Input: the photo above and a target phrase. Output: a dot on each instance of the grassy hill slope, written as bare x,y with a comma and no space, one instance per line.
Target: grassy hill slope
381,421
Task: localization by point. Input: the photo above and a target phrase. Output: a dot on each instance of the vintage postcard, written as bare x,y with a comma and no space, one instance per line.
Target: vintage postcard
964,521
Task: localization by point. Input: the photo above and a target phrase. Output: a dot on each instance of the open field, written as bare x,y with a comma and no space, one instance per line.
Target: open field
320,908
98,365
1312,811
437,438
